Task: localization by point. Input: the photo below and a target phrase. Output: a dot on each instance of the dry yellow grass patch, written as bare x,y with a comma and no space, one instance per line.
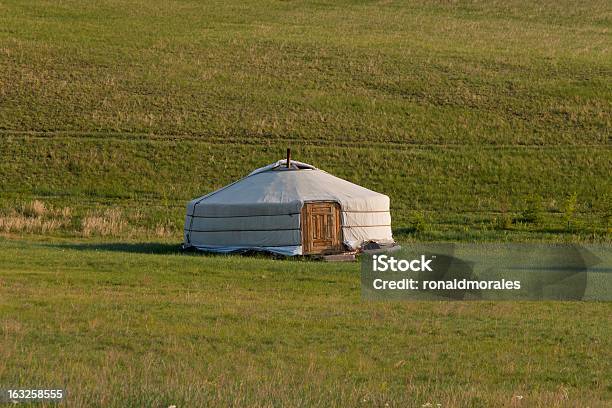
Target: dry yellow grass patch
11,327
110,222
34,217
162,230
18,223
34,208
65,212
38,217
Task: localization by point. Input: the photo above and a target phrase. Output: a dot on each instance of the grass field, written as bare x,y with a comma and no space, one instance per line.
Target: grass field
483,121
141,325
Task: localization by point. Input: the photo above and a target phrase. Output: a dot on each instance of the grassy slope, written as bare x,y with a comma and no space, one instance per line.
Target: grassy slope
120,327
426,102
499,73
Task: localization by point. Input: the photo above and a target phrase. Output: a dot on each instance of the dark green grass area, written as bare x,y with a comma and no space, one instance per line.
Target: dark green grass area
142,325
437,192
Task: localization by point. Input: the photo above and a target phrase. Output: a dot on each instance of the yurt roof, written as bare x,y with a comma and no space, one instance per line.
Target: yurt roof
276,184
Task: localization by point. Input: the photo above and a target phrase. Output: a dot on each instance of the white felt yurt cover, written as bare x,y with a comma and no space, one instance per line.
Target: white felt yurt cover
262,211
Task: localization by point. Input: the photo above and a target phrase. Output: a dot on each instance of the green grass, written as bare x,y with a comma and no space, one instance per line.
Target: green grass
129,324
423,72
464,190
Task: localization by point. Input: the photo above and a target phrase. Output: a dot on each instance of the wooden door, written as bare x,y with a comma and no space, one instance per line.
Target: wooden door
321,229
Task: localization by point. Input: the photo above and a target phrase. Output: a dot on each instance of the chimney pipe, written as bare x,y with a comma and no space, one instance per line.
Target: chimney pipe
288,158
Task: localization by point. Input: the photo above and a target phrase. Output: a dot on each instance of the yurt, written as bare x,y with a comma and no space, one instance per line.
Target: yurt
288,208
